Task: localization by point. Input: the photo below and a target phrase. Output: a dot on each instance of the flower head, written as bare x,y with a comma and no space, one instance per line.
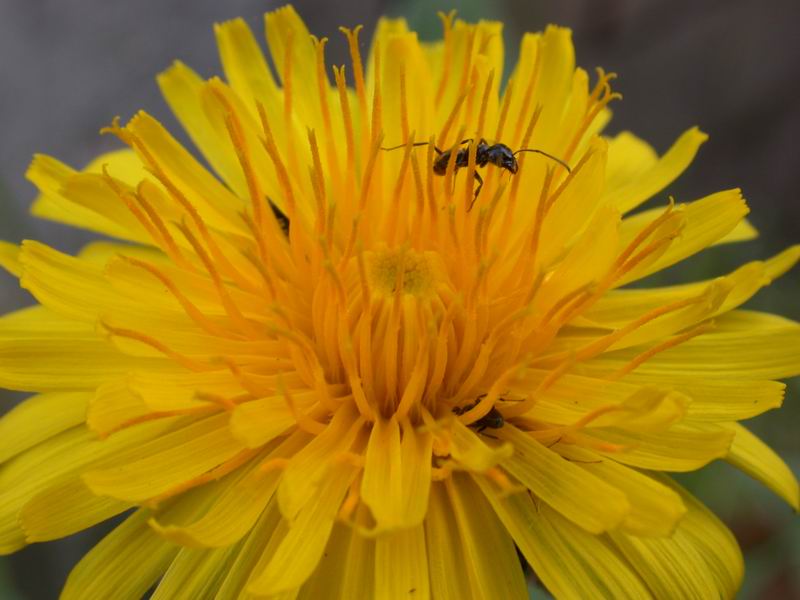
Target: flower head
360,357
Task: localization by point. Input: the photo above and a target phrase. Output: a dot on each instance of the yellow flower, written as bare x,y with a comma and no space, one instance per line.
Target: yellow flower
336,370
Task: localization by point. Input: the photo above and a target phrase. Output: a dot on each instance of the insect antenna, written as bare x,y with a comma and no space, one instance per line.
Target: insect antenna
543,153
404,145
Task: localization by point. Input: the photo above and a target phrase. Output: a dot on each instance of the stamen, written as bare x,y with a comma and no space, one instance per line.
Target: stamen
344,102
603,343
219,400
194,313
190,209
323,87
215,474
645,233
468,60
181,359
451,118
595,104
351,501
237,137
499,477
152,416
286,78
550,379
403,103
230,306
529,90
377,105
485,404
348,357
317,182
409,402
447,26
440,359
283,176
125,197
274,464
304,421
421,231
395,223
171,247
318,374
358,68
503,114
666,345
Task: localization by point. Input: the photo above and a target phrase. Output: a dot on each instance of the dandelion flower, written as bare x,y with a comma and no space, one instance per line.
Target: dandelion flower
320,368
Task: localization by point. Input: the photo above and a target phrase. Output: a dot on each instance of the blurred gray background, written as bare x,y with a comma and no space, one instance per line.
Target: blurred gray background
67,67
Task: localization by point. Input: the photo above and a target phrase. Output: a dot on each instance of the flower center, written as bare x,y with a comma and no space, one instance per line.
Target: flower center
401,270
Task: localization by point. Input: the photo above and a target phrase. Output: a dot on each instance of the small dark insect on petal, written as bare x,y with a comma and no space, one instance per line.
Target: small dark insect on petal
491,420
282,219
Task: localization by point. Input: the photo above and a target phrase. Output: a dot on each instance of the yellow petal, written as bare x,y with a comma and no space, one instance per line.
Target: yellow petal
168,461
700,560
618,307
729,400
397,475
300,549
588,260
655,509
327,579
629,158
569,561
706,221
575,207
743,232
684,447
56,461
252,551
358,581
181,88
244,64
749,454
9,258
65,508
196,572
130,558
490,558
257,422
402,58
286,33
401,565
39,418
64,199
306,468
236,509
446,560
572,396
771,353
580,496
42,352
221,104
65,284
557,65
215,204
633,192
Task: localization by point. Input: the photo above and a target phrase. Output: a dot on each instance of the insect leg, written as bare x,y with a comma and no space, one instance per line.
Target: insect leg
477,191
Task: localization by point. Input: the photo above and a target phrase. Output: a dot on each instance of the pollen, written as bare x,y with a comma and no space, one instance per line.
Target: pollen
404,271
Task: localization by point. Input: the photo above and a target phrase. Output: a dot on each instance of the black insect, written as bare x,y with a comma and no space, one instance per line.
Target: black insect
498,154
492,420
280,216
